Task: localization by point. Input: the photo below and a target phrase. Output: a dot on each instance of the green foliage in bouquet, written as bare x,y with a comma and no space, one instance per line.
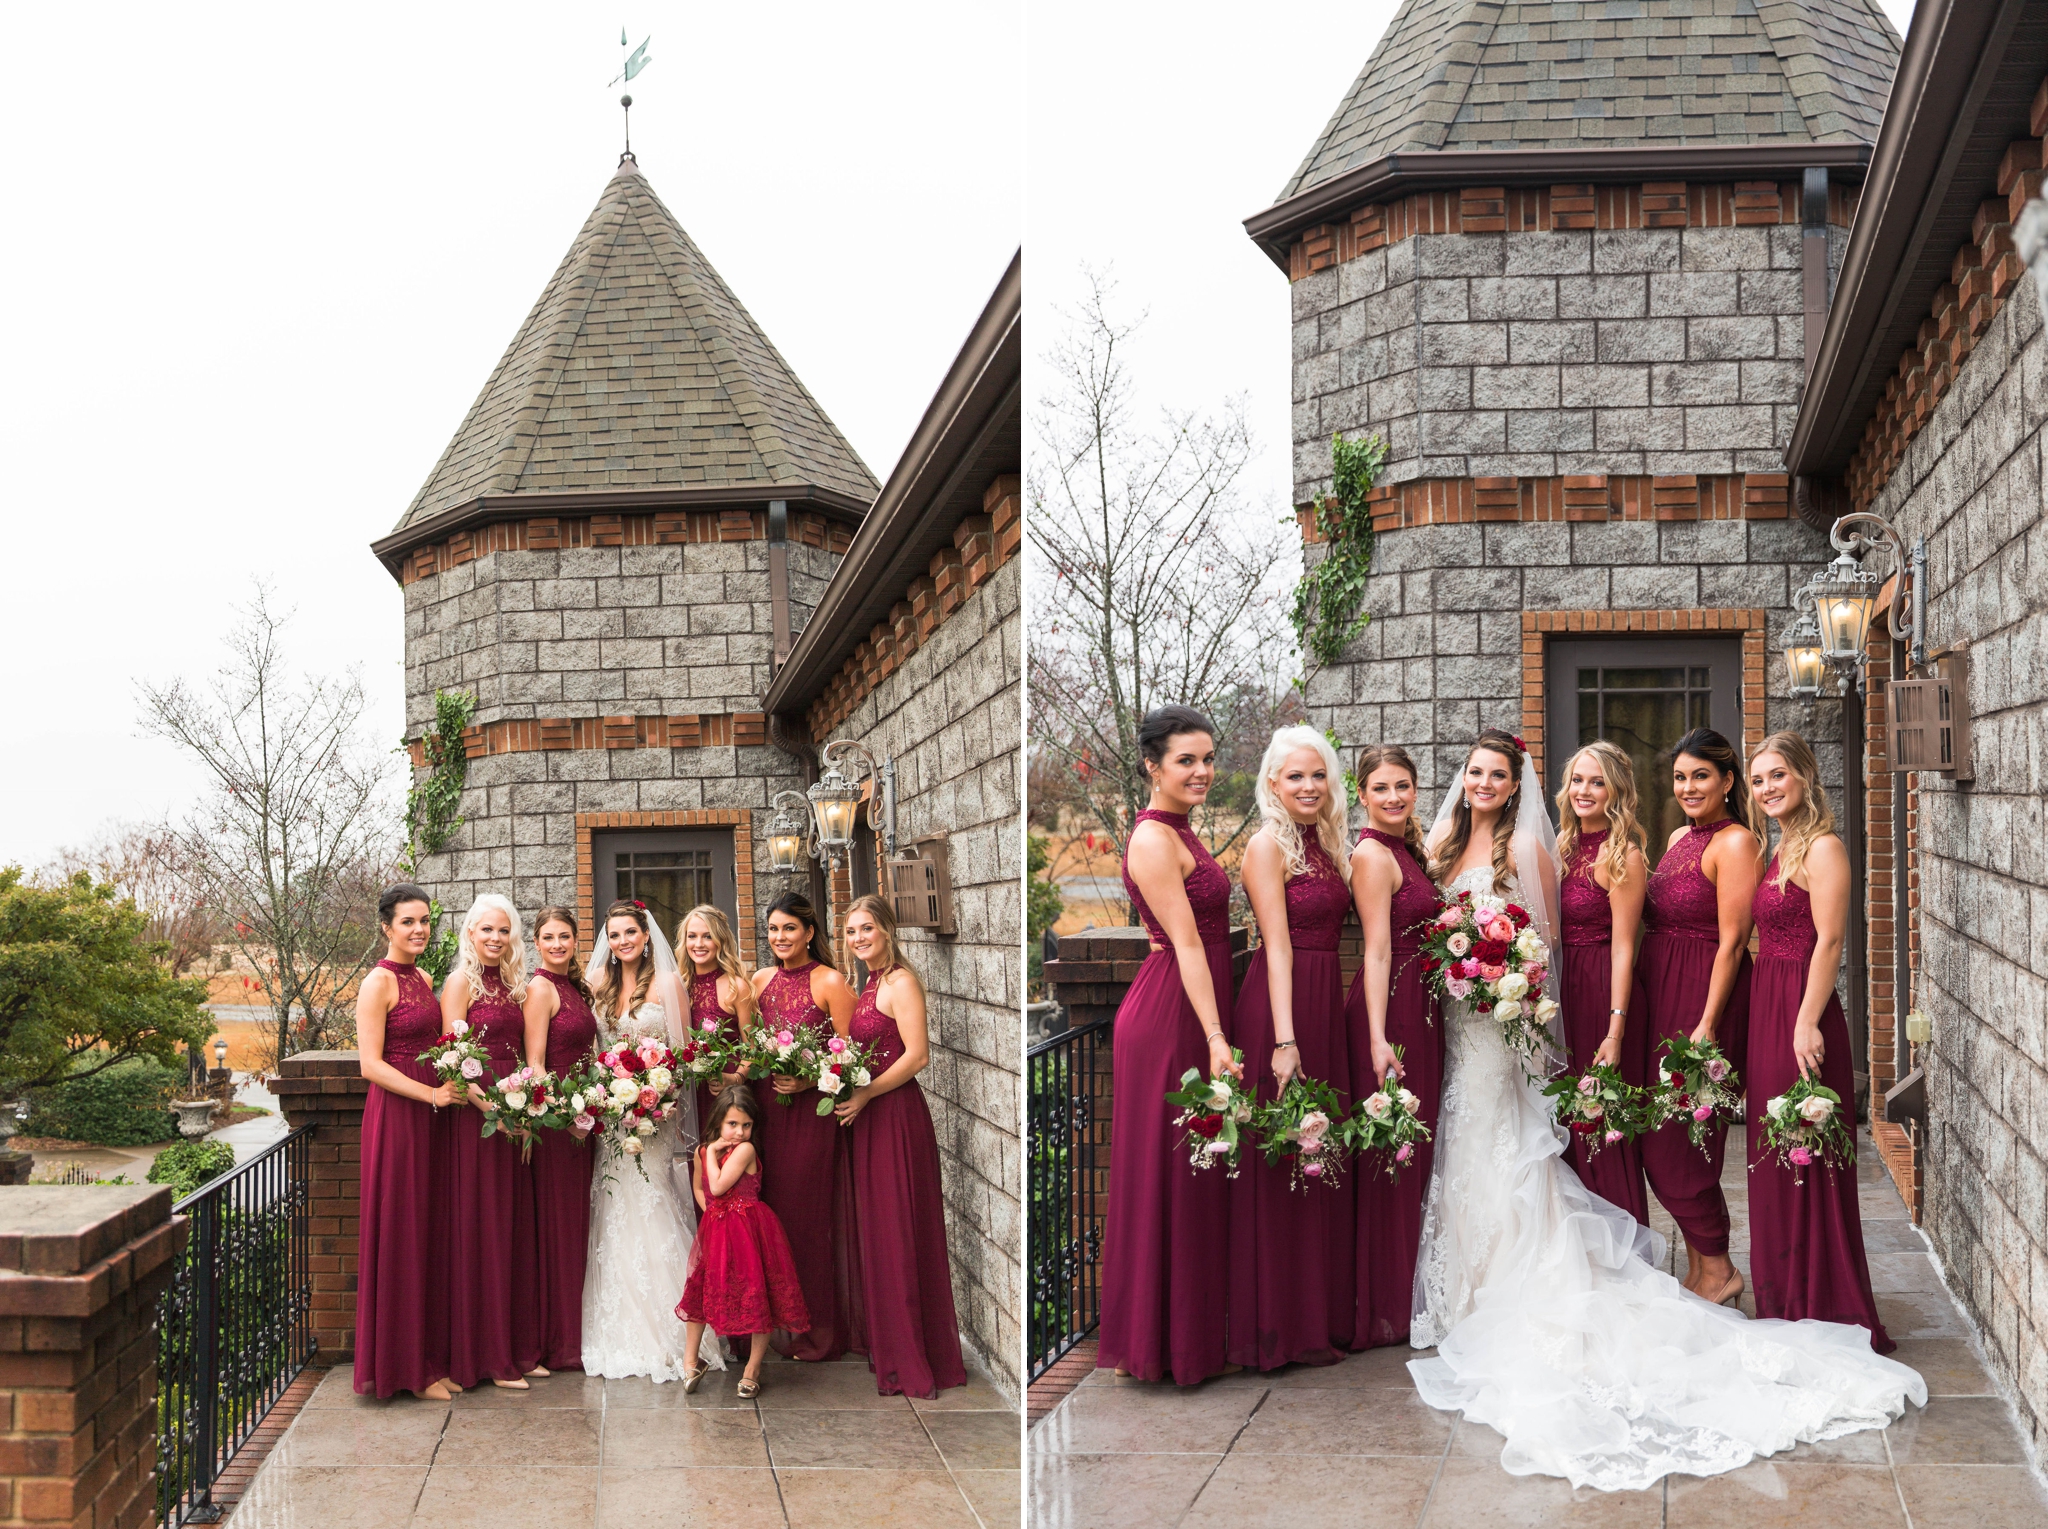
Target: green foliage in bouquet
1303,1127
1599,1107
1213,1113
1385,1122
1803,1126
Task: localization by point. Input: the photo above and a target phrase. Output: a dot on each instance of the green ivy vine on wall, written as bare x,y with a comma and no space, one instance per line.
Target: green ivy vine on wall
1328,610
430,805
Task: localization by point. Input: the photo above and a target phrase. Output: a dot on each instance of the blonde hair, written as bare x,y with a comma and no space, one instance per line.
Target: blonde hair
1375,756
1276,818
1812,819
1494,741
512,970
885,922
1624,830
726,951
604,993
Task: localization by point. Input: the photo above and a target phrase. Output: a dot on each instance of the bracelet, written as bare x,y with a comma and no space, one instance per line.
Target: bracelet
1210,1035
1622,1012
1282,1045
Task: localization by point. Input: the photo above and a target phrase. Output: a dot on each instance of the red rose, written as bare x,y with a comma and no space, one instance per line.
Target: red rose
1206,1125
1484,1008
1430,963
1490,952
1518,916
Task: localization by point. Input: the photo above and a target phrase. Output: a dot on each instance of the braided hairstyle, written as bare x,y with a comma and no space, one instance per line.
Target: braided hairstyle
1496,741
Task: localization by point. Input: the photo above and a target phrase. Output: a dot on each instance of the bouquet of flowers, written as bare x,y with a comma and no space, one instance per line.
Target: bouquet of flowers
1803,1126
1211,1112
1301,1127
1385,1121
788,1051
523,1101
704,1055
1599,1107
1695,1083
458,1059
639,1086
842,1066
1482,949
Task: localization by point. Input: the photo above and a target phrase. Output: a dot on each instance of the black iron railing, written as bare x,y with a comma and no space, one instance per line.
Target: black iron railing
235,1328
1067,1149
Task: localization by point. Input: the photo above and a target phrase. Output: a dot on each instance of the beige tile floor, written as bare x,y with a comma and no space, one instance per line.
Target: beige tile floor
817,1448
1353,1444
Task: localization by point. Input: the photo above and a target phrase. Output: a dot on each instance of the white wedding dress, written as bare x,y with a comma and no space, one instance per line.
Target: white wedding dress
641,1230
1553,1326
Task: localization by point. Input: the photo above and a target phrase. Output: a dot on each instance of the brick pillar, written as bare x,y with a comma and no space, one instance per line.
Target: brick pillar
80,1273
328,1089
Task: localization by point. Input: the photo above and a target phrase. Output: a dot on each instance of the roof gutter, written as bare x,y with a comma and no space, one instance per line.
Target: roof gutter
1951,59
1274,229
830,502
983,382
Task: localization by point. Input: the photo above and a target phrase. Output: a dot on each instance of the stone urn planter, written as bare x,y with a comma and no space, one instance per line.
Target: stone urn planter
195,1117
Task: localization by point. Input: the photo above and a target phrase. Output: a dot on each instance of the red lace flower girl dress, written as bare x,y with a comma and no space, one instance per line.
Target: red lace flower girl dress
742,1276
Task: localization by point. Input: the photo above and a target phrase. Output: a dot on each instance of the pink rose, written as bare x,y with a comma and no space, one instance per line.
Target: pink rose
1451,917
1493,973
1589,1084
1801,1156
1717,1069
649,1098
785,1037
1404,1152
1498,929
1457,987
1613,1137
1458,943
1468,968
1535,975
1703,1113
1313,1170
836,1044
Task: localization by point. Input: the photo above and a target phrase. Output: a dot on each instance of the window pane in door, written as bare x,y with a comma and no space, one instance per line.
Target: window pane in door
670,882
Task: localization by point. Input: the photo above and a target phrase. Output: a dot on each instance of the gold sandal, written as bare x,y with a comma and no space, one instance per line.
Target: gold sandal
692,1377
749,1388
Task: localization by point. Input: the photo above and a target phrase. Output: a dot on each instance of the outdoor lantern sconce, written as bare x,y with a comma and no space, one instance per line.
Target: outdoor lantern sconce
787,831
836,800
1833,630
1803,657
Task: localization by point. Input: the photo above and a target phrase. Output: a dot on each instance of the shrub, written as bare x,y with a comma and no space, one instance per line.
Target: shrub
186,1165
121,1106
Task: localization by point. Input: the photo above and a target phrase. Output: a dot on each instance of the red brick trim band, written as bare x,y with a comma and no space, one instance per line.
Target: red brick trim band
1577,497
739,819
981,544
1539,626
1545,209
530,735
663,528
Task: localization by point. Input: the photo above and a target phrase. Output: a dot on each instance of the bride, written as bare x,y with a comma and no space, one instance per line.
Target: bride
1551,1320
641,1226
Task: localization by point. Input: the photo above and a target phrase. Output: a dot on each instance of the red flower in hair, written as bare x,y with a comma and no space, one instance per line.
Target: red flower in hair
640,905
1521,745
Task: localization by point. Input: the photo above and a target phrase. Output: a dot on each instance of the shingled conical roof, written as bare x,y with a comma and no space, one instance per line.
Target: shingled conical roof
638,368
1494,74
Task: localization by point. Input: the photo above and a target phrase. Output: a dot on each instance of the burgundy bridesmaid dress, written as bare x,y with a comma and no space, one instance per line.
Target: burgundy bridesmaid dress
1165,1259
1390,1210
494,1278
1292,1260
1586,991
704,1006
1682,934
561,1169
1805,1240
911,1334
401,1303
803,1173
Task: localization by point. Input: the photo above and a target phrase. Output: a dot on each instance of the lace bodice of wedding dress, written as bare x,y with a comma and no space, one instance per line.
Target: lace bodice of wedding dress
640,1235
1554,1326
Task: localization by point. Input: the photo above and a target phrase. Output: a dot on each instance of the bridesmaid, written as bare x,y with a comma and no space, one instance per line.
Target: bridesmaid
803,1154
1165,1280
1388,1006
1606,1016
493,1267
401,1316
721,993
1291,1258
906,1302
1695,966
560,1032
1806,1239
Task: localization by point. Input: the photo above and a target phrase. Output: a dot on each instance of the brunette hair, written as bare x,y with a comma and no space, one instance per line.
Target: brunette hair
396,897
798,907
1623,827
1452,850
1812,819
738,1097
1371,758
1161,725
885,920
726,960
1709,747
606,993
553,913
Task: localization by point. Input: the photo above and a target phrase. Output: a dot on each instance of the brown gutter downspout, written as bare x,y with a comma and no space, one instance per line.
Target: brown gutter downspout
1813,262
778,578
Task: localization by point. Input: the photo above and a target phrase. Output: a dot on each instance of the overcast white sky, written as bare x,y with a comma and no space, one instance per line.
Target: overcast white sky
260,259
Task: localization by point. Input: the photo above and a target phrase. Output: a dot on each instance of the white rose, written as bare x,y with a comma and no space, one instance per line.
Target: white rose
631,1147
515,1099
1507,1009
536,1109
1779,1108
660,1079
1458,943
1409,1102
1513,985
625,1089
861,1077
458,1028
1219,1095
1242,1114
1529,945
1816,1109
1377,1105
828,1082
644,1128
1546,1010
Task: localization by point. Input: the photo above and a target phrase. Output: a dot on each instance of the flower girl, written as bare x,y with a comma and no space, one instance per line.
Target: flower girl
742,1276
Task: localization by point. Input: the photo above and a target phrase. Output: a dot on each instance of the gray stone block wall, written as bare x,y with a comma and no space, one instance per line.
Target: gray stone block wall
1622,351
952,719
1972,483
596,631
